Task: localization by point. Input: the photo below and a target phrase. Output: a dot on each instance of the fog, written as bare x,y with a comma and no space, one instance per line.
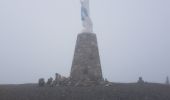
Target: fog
37,38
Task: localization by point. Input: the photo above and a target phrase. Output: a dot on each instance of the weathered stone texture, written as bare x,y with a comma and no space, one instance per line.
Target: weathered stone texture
86,62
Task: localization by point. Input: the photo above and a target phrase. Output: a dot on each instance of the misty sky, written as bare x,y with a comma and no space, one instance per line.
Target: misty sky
37,38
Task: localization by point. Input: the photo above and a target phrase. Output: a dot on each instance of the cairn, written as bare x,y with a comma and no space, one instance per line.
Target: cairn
50,82
140,81
41,82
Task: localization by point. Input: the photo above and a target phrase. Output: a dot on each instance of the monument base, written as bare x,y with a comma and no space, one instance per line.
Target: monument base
86,67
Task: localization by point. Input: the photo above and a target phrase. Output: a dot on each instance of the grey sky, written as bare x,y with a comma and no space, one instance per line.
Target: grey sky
37,38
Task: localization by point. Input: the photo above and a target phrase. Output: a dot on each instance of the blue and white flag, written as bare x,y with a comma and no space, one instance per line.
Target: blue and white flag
84,13
84,9
85,16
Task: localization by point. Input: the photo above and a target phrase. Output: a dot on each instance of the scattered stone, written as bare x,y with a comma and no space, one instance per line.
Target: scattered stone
108,84
50,81
41,82
57,80
61,80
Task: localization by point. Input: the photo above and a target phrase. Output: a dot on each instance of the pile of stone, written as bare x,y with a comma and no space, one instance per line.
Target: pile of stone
140,81
64,81
41,82
167,81
58,81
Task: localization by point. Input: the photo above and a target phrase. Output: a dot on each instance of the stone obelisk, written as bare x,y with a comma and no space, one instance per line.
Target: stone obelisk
86,65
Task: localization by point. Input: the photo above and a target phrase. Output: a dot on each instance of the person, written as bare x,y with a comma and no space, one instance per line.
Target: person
167,81
140,81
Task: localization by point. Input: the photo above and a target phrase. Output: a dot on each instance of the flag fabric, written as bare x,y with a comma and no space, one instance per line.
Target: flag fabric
85,16
84,9
84,13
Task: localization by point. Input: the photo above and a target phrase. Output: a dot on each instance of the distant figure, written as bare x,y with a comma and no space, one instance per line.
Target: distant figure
49,82
106,80
57,80
167,81
41,82
140,81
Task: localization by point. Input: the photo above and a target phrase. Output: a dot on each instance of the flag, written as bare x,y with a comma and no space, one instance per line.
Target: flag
84,13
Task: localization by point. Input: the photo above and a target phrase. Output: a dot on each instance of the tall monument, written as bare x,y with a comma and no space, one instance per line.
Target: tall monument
86,65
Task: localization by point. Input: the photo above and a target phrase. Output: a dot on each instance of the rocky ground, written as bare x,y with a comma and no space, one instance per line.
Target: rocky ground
117,91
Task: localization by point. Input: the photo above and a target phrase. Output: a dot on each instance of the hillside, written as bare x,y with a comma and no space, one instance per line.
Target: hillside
133,91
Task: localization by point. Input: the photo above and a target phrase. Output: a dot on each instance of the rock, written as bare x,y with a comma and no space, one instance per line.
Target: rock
41,82
50,81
